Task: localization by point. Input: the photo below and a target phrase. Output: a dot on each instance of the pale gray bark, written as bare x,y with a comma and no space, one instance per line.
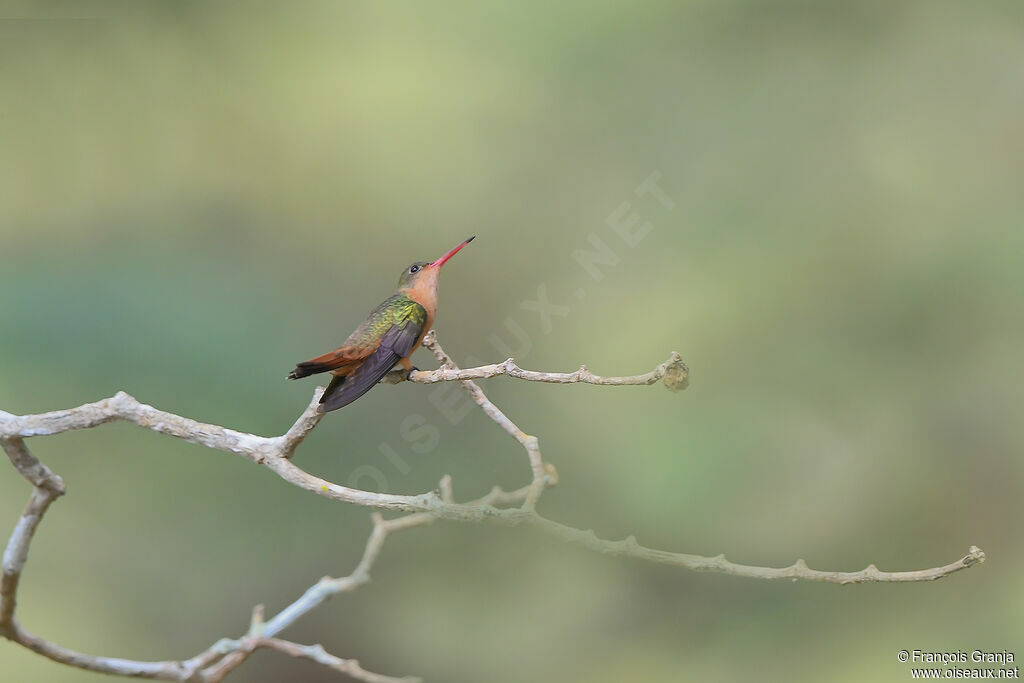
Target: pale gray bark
274,453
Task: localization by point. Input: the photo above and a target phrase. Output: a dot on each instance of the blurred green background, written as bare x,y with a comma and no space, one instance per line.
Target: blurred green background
194,197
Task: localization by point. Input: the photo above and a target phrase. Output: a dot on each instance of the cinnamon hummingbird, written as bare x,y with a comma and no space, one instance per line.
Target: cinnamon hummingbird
387,337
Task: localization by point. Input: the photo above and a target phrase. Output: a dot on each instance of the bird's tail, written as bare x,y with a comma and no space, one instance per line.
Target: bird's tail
336,360
309,367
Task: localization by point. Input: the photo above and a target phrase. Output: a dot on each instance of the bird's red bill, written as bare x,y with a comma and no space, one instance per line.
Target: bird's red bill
441,261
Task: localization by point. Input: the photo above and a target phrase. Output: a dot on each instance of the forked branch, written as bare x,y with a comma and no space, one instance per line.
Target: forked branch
274,453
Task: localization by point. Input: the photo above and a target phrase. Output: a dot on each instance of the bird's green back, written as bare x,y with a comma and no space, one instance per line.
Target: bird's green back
397,309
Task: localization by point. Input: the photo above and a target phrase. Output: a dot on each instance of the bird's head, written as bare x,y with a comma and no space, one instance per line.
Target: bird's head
423,275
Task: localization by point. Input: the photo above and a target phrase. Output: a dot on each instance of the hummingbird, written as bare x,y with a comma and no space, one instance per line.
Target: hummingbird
388,336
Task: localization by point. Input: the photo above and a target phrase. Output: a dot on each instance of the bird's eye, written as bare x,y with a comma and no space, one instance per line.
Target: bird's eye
413,269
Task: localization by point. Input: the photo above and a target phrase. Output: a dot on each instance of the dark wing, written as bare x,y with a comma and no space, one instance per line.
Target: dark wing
396,344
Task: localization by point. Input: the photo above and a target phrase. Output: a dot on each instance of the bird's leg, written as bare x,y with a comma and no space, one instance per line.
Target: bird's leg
409,367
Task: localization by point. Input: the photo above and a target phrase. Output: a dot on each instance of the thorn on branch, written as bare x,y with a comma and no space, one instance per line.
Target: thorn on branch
256,624
446,489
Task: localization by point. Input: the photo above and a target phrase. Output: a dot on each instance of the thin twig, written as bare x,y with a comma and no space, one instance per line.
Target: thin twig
798,570
527,441
316,653
673,371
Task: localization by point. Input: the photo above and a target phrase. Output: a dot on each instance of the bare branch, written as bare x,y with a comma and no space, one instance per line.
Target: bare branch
345,666
673,371
328,587
309,419
48,487
798,570
271,452
275,454
527,441
244,647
